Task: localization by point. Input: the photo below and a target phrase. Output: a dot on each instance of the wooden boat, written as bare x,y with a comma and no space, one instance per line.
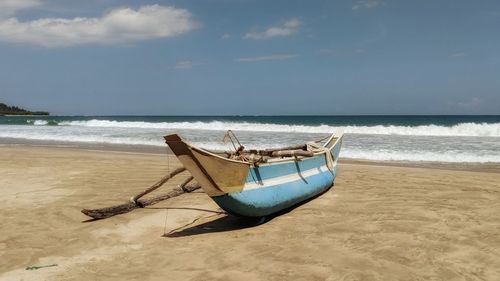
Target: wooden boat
257,183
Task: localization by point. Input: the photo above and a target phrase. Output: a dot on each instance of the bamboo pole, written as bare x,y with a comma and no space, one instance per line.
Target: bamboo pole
158,183
136,202
185,182
107,212
292,153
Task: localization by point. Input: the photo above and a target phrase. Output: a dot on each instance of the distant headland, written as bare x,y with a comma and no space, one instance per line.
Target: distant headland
14,110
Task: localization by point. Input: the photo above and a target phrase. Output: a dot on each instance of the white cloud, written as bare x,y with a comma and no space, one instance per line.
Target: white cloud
341,52
225,36
367,4
122,25
267,58
472,103
458,55
10,7
185,64
288,28
328,51
467,104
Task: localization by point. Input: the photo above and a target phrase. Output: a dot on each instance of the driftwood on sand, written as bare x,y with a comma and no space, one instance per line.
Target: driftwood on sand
135,202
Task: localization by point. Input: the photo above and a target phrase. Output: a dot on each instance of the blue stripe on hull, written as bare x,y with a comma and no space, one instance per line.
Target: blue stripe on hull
265,172
267,200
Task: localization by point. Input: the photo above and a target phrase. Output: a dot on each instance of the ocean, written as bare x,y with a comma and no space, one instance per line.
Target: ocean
455,139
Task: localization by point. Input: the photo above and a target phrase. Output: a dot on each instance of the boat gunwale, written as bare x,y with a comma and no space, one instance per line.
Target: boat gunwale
274,160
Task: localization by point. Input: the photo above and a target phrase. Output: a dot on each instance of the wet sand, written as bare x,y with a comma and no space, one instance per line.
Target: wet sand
379,222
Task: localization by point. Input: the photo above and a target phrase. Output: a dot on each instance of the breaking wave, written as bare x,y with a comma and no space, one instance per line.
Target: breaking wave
421,156
462,129
466,141
368,152
40,122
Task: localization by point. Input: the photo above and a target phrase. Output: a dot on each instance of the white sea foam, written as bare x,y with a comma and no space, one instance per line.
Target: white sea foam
426,156
80,138
462,129
352,148
39,122
479,142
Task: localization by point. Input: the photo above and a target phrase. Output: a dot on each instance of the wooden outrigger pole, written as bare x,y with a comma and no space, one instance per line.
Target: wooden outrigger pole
135,202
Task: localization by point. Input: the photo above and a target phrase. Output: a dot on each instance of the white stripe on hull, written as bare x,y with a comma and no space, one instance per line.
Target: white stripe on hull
287,178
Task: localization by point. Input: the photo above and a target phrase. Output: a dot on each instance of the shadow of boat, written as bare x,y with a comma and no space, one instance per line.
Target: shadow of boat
185,208
229,222
223,224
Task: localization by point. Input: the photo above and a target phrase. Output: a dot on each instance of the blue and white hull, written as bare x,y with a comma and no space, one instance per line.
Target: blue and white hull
243,189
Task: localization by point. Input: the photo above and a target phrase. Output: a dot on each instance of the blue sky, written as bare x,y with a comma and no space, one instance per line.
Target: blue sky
244,57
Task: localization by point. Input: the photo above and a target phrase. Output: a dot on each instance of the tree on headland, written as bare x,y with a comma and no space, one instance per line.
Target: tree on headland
14,110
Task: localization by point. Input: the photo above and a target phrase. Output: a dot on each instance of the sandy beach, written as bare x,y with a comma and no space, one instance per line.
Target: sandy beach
379,222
